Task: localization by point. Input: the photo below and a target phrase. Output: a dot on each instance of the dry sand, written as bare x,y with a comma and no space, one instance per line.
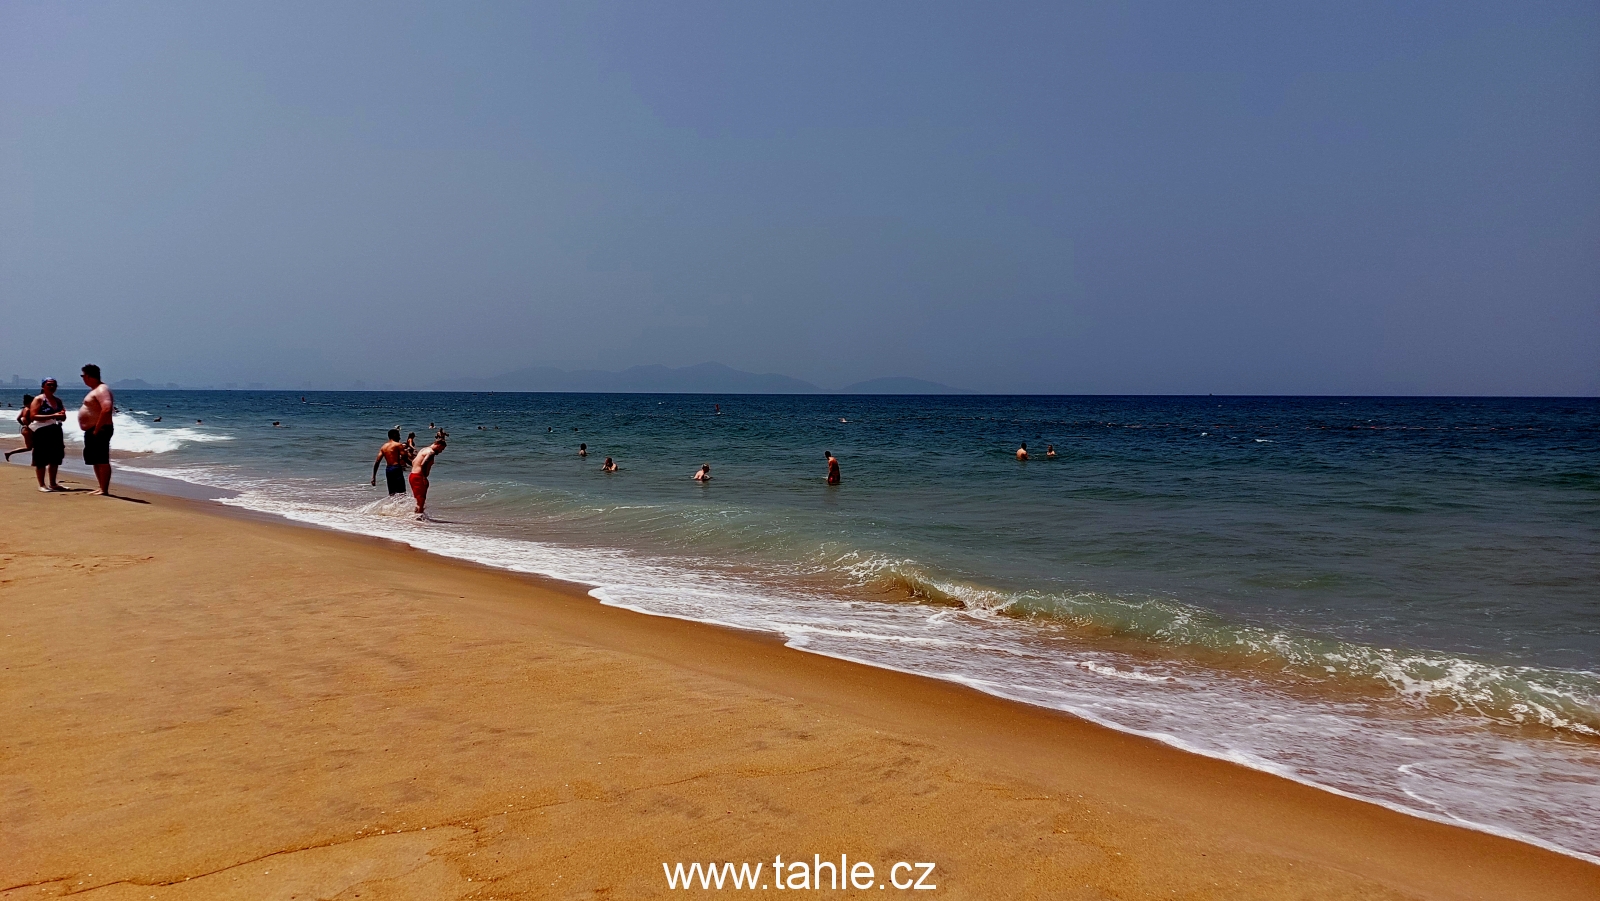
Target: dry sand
197,705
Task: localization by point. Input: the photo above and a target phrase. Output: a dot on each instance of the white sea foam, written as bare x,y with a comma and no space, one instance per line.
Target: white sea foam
1115,673
135,435
1457,769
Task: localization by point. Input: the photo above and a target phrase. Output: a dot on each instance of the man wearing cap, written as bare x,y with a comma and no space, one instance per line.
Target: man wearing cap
94,417
45,416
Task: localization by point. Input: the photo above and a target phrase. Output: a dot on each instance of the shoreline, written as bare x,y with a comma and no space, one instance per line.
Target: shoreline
1039,753
213,501
217,498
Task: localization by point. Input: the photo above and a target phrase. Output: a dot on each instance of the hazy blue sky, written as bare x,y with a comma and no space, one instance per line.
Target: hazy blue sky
1155,197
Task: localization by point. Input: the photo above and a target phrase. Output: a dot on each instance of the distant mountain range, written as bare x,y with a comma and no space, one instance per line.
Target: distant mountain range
900,385
706,378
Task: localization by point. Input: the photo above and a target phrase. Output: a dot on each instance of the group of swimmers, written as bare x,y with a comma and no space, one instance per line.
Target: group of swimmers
41,421
583,451
1022,452
397,456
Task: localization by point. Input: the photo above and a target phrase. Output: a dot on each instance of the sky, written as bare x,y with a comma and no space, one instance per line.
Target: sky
1261,198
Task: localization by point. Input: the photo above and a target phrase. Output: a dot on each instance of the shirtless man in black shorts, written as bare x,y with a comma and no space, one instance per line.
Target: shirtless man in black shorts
393,456
94,417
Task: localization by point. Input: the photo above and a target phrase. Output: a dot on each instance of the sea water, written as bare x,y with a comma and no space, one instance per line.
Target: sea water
1394,599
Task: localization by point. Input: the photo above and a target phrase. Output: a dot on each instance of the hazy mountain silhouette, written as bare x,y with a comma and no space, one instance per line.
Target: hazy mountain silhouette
900,385
706,378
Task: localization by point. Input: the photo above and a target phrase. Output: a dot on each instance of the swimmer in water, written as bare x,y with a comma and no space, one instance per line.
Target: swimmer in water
1049,451
609,466
1022,453
703,474
583,450
833,468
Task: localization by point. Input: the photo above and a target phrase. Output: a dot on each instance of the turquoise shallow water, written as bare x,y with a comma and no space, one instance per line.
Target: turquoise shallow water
1392,598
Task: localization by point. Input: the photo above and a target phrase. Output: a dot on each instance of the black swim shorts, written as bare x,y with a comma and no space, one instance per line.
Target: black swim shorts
396,477
97,446
47,447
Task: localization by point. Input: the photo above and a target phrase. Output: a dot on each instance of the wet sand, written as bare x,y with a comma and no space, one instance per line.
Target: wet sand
201,705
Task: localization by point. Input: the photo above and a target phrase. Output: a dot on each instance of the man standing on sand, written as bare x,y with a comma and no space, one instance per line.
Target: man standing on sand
833,468
393,457
420,467
94,417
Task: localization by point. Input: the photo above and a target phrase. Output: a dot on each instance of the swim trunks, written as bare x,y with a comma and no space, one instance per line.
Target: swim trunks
395,475
97,446
48,449
419,488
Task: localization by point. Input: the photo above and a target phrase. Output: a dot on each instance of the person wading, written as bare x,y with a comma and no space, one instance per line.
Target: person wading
393,456
420,468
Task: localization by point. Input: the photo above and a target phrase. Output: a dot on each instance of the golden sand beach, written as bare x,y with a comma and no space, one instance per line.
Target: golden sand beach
201,705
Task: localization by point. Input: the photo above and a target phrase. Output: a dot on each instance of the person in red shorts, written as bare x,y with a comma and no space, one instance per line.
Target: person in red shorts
420,467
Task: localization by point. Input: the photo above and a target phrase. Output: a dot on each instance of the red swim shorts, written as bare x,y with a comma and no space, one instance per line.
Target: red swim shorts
419,488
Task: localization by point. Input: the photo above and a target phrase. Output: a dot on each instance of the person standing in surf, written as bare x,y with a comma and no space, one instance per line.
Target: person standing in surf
420,468
94,417
393,457
49,444
833,468
1022,453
